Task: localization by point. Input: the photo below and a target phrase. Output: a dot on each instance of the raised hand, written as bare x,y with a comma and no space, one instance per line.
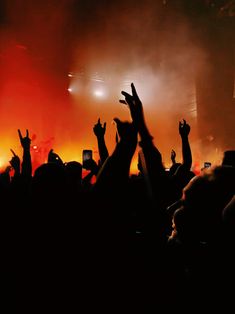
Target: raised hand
184,128
26,170
15,162
137,114
135,105
173,156
25,141
98,129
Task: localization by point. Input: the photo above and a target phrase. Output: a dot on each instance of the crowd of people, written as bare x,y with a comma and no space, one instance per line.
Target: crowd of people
135,243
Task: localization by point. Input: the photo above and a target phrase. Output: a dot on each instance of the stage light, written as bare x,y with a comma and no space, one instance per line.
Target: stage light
99,93
35,147
70,89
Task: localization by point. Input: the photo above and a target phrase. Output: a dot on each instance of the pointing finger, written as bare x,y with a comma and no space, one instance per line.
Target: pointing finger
20,135
14,154
134,93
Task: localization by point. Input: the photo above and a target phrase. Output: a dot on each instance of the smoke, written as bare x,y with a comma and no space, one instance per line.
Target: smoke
152,45
106,45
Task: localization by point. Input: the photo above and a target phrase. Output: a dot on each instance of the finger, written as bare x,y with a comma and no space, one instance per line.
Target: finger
105,126
126,95
14,154
99,121
123,101
20,135
51,151
27,133
134,93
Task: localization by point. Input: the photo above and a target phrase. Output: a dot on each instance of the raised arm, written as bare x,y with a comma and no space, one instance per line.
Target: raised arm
99,132
153,159
184,130
92,166
137,113
114,174
15,164
26,162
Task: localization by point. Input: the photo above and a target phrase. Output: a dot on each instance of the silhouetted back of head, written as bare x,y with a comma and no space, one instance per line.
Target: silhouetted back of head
49,179
203,202
73,169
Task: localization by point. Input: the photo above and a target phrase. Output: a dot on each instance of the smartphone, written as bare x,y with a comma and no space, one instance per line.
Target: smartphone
86,155
207,164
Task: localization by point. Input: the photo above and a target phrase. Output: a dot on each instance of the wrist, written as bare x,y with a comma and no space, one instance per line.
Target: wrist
100,137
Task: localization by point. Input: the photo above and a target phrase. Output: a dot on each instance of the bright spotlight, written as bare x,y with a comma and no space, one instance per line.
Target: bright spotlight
70,89
99,93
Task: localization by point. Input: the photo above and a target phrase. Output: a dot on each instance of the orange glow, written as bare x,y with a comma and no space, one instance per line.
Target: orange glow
47,50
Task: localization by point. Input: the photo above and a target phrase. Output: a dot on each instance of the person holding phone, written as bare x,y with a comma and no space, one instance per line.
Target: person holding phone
88,163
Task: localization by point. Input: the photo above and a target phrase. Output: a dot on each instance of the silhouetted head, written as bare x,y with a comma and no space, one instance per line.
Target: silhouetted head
199,213
49,180
73,170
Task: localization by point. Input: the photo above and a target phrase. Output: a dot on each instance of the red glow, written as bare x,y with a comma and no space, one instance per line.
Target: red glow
44,45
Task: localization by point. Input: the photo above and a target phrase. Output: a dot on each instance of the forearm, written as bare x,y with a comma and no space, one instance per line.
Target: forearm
143,130
116,168
26,164
153,158
16,173
186,153
103,151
